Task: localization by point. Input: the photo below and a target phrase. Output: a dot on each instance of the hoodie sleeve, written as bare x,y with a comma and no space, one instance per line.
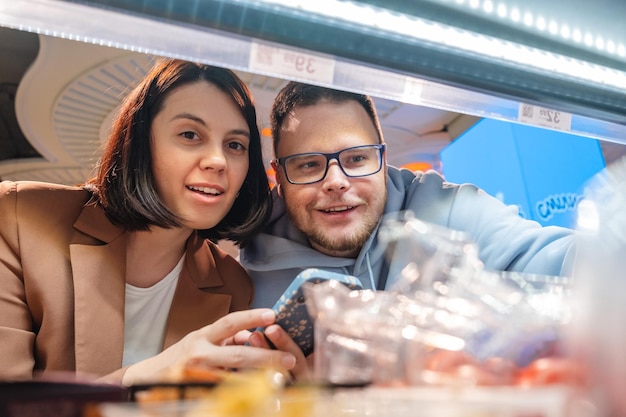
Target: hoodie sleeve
506,241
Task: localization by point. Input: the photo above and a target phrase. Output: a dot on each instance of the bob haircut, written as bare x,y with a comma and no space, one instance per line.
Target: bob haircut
296,94
124,182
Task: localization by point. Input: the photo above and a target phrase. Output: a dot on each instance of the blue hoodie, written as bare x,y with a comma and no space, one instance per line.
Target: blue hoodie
506,242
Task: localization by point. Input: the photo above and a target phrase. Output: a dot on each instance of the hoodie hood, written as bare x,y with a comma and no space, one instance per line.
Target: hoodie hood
283,247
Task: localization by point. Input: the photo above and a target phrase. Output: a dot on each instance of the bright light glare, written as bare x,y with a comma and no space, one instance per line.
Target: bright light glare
600,43
350,10
443,341
541,23
515,14
610,46
528,19
409,332
553,27
329,303
347,343
588,217
387,20
488,6
501,10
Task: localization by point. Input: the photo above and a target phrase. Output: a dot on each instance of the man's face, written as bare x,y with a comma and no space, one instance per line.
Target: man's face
338,213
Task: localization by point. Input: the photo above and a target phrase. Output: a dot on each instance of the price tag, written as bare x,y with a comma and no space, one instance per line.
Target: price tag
291,63
542,116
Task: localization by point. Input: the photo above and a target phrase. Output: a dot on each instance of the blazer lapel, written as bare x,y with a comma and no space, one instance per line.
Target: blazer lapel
99,294
195,303
99,272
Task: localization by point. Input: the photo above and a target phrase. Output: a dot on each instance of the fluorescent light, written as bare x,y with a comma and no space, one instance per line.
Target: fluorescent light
528,19
553,27
541,23
404,25
501,10
488,6
515,14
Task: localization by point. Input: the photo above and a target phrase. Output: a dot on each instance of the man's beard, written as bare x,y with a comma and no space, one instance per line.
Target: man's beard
344,243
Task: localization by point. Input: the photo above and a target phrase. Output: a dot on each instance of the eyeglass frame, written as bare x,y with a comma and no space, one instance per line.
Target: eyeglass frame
380,147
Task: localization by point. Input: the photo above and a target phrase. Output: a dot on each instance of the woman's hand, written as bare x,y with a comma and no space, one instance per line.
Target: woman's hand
217,345
302,370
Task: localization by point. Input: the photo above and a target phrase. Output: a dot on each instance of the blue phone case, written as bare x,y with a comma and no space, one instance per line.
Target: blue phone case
291,310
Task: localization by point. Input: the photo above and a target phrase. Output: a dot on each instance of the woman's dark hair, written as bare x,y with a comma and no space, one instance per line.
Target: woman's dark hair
296,94
124,182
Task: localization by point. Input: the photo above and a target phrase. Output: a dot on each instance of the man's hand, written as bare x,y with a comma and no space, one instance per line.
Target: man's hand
302,371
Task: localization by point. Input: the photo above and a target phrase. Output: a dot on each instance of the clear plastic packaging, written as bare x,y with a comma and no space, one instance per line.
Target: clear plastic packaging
357,335
423,256
444,321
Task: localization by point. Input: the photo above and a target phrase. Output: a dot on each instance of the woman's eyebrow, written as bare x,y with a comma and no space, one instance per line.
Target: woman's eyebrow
240,132
201,121
190,117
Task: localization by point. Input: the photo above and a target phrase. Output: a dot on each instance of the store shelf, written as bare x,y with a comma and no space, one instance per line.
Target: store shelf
282,42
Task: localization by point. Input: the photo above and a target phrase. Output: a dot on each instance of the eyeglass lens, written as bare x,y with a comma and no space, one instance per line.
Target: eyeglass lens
355,162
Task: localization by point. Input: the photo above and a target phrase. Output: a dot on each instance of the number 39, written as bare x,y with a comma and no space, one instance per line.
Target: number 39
305,64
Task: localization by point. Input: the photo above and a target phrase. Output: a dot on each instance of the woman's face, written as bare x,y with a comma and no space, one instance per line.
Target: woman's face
199,144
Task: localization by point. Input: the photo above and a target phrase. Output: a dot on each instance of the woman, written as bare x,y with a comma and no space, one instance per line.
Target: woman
121,278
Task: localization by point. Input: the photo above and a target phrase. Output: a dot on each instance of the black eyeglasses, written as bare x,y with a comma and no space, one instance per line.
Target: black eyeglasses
308,168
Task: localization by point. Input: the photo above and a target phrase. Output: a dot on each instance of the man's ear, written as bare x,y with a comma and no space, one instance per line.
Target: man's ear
278,177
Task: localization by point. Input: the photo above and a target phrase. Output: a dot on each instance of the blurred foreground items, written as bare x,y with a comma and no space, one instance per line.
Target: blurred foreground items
448,338
371,402
600,303
56,396
445,321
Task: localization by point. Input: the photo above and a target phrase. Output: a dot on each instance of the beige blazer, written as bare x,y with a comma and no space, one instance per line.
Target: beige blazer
62,284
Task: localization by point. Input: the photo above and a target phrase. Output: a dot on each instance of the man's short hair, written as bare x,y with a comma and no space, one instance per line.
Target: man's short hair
296,94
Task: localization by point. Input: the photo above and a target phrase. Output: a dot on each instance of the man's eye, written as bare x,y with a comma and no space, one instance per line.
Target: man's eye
308,165
355,159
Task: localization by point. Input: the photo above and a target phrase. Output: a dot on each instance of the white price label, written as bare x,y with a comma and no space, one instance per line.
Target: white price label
542,116
291,63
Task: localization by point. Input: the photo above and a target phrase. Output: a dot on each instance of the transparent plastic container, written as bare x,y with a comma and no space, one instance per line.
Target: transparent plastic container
599,321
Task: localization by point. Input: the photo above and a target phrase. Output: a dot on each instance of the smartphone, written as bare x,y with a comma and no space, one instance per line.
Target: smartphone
291,310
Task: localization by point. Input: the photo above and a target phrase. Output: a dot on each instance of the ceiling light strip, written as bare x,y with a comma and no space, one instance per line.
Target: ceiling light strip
368,16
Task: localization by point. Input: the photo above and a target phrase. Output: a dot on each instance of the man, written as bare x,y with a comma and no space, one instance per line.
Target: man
334,187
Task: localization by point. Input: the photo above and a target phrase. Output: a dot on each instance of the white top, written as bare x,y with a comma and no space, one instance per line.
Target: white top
145,317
